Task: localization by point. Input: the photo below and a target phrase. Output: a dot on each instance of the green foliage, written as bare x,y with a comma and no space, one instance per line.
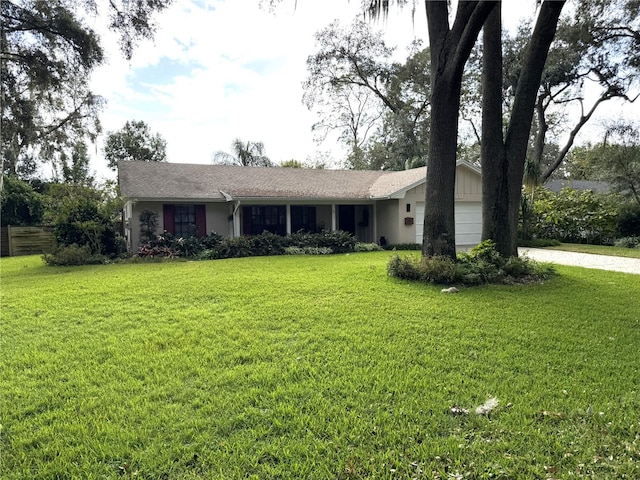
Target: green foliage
367,247
627,242
148,225
378,108
134,142
85,217
307,251
20,203
75,165
628,220
574,216
245,154
481,265
338,240
215,246
49,51
539,243
73,255
403,246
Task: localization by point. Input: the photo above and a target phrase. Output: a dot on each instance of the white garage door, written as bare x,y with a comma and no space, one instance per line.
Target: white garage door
468,222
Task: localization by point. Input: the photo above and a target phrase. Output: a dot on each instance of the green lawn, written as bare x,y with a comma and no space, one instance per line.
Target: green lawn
313,367
598,250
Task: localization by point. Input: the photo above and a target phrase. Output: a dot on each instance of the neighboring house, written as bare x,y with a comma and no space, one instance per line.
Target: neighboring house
234,201
596,187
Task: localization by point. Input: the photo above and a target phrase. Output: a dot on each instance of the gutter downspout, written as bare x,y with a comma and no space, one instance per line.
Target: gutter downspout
235,219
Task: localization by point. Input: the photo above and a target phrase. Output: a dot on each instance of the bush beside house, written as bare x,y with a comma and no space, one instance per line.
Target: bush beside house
581,216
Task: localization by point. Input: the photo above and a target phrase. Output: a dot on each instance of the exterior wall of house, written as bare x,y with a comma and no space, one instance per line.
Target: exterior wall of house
400,221
412,199
387,222
217,219
468,185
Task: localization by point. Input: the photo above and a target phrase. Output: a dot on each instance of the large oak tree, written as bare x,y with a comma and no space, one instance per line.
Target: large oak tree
48,52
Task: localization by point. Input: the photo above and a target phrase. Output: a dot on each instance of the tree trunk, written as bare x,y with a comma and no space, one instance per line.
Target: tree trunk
439,222
495,192
502,178
450,49
517,137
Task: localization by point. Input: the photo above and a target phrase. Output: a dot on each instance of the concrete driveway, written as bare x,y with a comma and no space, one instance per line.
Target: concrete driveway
586,260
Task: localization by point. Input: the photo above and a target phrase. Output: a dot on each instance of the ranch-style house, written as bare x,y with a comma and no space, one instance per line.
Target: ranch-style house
232,201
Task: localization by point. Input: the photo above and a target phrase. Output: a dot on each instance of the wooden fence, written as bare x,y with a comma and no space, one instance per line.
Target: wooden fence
16,241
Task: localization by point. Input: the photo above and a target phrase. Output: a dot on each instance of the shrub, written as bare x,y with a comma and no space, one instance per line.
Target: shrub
437,270
406,268
148,225
267,243
403,246
215,246
628,242
539,243
367,247
628,220
339,241
20,203
481,265
73,255
574,216
85,216
307,251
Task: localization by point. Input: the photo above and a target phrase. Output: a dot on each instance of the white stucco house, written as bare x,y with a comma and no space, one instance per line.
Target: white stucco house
233,201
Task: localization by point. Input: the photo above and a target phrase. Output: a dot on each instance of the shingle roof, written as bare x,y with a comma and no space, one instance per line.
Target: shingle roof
153,180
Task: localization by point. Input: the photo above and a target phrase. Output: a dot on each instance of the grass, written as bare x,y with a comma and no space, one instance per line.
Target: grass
598,250
313,367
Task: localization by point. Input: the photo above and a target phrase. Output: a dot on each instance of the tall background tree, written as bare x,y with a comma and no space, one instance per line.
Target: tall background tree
378,107
134,142
245,154
48,52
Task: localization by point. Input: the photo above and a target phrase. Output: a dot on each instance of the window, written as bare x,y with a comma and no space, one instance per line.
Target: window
303,218
258,218
184,220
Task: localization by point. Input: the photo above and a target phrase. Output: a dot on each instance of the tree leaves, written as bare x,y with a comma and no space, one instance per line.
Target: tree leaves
134,142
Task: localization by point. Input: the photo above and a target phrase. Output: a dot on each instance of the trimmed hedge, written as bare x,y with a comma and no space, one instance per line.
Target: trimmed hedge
214,246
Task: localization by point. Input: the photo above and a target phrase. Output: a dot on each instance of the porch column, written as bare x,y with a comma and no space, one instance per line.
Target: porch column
236,220
374,222
288,219
333,217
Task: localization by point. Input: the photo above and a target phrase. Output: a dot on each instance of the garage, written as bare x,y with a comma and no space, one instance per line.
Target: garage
468,222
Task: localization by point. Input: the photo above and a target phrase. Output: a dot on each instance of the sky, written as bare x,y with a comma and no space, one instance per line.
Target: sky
217,70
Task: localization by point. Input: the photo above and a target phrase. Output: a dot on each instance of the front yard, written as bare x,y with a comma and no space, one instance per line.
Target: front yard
314,367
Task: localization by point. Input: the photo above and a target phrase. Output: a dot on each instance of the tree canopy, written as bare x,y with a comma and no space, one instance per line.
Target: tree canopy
378,107
245,154
48,52
134,142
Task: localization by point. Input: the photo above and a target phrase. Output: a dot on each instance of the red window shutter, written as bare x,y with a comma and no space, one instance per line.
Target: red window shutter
168,217
201,221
